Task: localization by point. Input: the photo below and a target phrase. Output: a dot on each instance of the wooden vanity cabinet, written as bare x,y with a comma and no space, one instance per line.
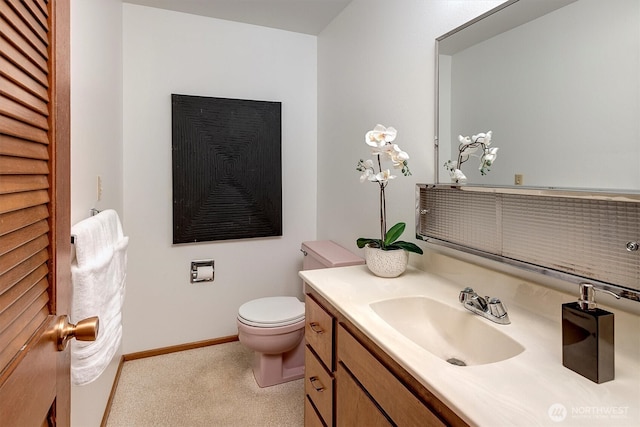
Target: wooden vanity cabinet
350,381
319,365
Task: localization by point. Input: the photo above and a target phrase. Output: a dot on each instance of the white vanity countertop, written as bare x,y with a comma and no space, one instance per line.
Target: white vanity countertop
530,389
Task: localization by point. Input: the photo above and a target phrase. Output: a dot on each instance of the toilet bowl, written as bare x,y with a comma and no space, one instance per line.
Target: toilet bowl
273,327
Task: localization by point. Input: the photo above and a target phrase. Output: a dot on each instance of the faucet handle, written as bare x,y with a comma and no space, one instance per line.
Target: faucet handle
496,308
465,294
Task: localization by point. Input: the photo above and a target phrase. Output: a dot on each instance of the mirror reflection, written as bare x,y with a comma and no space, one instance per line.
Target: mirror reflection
560,91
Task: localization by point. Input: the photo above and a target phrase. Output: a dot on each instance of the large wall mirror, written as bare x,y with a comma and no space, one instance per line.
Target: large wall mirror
558,84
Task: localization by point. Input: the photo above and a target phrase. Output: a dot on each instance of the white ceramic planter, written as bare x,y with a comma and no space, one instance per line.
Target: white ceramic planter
386,263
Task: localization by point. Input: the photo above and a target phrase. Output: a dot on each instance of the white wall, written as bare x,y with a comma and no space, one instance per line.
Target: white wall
167,52
96,147
376,64
96,106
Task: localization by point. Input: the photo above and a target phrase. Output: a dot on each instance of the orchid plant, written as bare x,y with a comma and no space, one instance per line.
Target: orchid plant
467,148
380,139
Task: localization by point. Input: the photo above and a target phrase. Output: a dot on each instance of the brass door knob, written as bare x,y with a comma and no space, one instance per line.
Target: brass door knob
85,330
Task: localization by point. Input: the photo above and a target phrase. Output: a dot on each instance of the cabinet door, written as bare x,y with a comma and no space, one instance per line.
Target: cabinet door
354,407
395,399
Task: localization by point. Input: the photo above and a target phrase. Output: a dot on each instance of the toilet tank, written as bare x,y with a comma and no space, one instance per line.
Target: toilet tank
326,254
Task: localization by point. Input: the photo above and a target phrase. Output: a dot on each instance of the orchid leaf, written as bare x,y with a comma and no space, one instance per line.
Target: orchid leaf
394,233
408,246
361,242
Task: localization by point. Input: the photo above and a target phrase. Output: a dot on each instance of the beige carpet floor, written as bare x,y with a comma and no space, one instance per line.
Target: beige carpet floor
209,386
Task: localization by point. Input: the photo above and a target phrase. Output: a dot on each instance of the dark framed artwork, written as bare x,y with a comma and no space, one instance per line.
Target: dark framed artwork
227,168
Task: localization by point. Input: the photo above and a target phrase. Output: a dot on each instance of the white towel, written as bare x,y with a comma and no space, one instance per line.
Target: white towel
98,275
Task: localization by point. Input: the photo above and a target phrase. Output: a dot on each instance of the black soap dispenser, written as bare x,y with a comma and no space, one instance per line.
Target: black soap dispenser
587,337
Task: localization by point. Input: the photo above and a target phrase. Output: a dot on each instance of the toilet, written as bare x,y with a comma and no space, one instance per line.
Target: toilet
273,327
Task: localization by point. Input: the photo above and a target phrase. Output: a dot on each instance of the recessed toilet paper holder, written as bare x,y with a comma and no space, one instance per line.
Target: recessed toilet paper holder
200,271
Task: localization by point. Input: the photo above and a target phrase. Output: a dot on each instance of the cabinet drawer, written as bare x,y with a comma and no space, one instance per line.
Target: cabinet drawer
319,331
353,407
402,406
318,386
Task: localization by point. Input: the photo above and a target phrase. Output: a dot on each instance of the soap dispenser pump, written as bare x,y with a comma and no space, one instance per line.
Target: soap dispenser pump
588,336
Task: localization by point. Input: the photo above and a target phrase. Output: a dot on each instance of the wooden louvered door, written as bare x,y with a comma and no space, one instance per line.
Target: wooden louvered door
34,210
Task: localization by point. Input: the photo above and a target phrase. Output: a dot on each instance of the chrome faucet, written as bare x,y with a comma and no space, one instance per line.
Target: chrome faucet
491,308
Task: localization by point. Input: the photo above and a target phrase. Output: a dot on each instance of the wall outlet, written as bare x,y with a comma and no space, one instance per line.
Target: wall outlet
519,179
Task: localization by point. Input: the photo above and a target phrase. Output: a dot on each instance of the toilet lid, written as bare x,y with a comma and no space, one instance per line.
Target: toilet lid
271,312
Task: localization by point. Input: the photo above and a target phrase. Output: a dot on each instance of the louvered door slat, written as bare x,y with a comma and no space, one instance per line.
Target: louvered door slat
42,5
12,241
22,79
16,257
22,62
14,127
38,14
32,23
12,91
11,108
13,276
15,309
12,146
24,326
16,201
10,33
13,295
20,183
16,220
21,166
23,29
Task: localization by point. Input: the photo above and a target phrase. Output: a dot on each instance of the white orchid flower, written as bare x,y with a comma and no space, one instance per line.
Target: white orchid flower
468,151
487,159
475,138
464,140
366,175
398,157
468,146
457,175
487,138
383,176
383,149
380,136
366,168
465,145
489,156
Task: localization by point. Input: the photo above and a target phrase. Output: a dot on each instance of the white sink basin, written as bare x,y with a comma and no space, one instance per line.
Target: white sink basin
451,333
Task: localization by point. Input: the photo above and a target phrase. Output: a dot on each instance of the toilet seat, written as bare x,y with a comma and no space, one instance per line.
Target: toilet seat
271,312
